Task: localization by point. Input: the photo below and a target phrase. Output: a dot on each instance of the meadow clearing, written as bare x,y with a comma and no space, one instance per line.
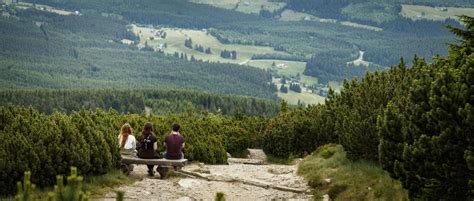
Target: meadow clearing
245,6
175,43
434,13
175,39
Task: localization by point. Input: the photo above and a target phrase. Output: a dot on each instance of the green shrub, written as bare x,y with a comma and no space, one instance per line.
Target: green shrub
335,190
220,196
47,145
298,132
427,137
71,192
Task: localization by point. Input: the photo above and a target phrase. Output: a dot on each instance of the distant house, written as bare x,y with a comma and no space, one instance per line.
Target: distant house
443,9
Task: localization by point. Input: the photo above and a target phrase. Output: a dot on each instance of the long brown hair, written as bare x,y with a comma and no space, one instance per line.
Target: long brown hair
148,129
124,132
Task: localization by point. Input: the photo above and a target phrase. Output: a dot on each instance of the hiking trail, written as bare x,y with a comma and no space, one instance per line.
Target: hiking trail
198,181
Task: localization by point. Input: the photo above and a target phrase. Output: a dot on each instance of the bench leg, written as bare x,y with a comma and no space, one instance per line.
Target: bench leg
163,171
126,168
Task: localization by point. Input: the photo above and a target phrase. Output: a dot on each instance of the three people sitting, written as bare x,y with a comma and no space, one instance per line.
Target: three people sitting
148,144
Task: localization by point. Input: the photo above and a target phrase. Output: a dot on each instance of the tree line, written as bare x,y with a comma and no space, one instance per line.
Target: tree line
135,101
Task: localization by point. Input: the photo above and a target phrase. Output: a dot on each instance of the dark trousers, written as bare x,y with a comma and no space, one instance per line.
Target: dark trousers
165,155
150,167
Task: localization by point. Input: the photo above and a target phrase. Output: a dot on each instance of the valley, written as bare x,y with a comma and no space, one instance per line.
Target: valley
275,99
171,41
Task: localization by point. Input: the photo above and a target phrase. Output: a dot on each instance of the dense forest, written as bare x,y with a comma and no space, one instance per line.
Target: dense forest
401,37
327,41
48,145
179,13
135,101
45,50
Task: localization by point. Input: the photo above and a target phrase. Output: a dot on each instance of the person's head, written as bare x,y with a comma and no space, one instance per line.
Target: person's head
124,132
148,129
175,127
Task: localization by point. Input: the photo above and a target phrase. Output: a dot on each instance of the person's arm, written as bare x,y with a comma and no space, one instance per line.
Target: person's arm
184,143
134,143
139,144
155,146
164,141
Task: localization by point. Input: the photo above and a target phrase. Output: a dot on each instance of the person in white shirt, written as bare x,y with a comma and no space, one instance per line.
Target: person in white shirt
127,141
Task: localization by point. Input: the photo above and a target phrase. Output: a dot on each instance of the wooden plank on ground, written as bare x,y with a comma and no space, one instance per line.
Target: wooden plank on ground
246,161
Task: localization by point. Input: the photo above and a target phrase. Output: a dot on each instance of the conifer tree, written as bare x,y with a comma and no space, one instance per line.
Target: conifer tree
426,138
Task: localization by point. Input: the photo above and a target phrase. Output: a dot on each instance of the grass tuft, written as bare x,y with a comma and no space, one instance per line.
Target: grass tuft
282,161
328,171
220,196
97,185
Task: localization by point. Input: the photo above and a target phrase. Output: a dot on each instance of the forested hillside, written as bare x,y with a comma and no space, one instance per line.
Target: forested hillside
334,43
45,50
137,101
179,13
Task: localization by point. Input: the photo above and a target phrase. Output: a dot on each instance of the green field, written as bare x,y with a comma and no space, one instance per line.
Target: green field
175,43
290,15
245,6
291,69
304,97
287,68
434,13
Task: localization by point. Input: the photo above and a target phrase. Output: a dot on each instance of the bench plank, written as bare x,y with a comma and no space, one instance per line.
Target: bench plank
160,162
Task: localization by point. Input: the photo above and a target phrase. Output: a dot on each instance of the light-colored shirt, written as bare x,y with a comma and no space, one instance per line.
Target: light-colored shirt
131,143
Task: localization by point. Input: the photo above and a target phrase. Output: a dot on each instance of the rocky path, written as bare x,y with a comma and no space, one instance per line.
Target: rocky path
236,181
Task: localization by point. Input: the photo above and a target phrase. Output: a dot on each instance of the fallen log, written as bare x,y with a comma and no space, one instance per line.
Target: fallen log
261,184
246,161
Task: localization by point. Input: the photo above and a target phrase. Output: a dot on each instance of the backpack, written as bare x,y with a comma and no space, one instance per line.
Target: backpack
146,147
147,143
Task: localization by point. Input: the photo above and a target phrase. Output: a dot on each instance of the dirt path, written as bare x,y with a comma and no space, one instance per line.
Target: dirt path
186,188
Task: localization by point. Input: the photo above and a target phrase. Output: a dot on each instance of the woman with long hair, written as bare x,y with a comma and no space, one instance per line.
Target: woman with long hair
147,145
127,141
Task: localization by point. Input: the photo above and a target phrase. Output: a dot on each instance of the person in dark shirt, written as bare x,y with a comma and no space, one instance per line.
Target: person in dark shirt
174,144
147,145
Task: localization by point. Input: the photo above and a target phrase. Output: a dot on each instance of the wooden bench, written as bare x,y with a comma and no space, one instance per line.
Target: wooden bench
163,164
